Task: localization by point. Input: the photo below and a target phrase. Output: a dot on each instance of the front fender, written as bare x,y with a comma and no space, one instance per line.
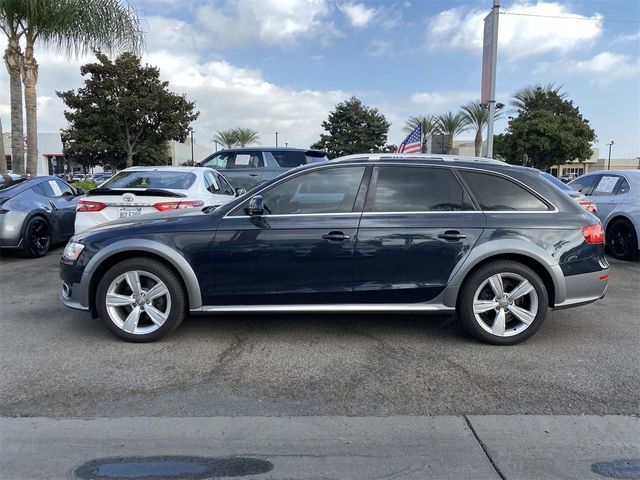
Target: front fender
149,246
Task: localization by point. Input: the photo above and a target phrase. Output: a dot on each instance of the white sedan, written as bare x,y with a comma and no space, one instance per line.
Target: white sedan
138,190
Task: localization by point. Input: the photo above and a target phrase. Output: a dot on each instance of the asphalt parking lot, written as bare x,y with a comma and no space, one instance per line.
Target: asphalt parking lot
56,362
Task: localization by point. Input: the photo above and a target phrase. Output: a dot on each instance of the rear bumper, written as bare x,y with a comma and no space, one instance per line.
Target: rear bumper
584,288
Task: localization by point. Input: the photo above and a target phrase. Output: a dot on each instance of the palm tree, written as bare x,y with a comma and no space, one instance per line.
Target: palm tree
245,136
477,117
529,96
3,159
428,124
12,28
226,138
70,26
450,125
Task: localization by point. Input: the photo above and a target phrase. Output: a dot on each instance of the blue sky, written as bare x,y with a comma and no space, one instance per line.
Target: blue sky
281,65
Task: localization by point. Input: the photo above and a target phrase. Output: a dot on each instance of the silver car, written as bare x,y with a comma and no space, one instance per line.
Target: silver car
36,213
248,167
616,194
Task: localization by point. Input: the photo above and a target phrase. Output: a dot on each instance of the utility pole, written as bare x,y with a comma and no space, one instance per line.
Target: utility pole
192,161
609,163
489,60
216,145
276,139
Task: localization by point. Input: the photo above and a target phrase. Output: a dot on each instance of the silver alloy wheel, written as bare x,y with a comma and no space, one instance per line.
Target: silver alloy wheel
138,302
505,304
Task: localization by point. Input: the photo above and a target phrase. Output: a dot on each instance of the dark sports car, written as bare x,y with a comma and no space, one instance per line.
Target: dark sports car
36,213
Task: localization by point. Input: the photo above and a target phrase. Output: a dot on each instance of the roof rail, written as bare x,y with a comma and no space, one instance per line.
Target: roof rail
419,156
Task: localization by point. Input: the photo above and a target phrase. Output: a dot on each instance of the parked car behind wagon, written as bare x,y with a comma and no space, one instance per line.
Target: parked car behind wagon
247,167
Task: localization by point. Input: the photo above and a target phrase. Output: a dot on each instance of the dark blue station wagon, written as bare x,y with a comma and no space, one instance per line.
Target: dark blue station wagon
383,233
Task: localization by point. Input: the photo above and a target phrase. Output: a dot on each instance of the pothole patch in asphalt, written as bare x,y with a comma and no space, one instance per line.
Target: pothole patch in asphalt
171,467
625,469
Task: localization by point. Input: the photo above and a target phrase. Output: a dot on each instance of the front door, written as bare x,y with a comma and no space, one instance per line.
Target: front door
417,225
300,251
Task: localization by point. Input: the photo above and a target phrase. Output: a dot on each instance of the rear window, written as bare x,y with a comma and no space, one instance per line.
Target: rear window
416,189
288,159
152,179
496,193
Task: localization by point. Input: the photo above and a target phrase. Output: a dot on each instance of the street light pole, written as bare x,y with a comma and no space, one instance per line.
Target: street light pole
609,163
276,139
192,161
492,89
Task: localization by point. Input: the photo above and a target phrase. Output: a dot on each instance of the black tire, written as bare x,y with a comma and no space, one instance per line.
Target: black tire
37,238
622,240
512,271
175,302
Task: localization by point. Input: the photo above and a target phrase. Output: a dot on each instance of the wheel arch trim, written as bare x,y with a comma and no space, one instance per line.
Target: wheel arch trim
489,250
168,254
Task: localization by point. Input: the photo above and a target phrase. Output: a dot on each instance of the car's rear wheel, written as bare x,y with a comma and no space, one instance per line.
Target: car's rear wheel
141,300
37,238
622,241
503,303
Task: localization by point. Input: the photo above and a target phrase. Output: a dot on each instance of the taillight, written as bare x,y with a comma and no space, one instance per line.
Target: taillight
593,233
164,206
589,206
89,206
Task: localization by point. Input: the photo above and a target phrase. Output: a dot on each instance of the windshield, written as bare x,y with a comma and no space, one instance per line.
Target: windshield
151,179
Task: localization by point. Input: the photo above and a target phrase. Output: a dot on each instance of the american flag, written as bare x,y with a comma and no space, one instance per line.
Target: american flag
413,142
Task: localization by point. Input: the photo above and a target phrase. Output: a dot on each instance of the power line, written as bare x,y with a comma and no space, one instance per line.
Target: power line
567,17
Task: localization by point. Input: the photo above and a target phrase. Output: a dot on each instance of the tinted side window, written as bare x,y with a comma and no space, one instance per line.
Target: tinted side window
498,193
219,160
416,189
247,160
325,191
624,187
607,185
288,159
53,188
584,184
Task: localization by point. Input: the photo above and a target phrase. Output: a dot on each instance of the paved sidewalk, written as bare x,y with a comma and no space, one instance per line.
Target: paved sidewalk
398,447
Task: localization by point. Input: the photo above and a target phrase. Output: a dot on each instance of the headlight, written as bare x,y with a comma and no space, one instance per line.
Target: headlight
72,251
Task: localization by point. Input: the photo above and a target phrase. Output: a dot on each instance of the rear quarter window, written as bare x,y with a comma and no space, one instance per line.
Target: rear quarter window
288,159
496,193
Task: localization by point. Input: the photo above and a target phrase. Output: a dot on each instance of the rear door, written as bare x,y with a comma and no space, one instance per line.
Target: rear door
418,223
63,200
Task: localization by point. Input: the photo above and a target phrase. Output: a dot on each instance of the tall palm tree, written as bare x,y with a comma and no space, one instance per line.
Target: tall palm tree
531,95
10,24
477,118
428,124
245,136
73,27
451,124
226,138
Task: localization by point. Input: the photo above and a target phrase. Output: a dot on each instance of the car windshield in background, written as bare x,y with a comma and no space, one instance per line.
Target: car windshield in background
558,183
7,186
151,179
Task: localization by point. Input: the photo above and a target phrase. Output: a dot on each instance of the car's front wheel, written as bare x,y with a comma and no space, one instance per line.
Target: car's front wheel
503,303
141,300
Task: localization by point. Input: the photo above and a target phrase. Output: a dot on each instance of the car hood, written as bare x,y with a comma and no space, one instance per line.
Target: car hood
170,218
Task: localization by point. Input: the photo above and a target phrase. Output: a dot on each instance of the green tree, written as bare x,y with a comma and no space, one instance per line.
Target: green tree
353,128
226,138
245,136
125,105
477,118
71,26
548,130
531,97
428,124
450,125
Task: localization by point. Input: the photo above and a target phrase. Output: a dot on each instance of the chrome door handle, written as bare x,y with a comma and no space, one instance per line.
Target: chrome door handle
336,237
452,235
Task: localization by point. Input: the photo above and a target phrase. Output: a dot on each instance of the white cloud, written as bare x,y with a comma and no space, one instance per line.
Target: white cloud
627,38
519,36
272,22
358,14
436,102
380,48
607,66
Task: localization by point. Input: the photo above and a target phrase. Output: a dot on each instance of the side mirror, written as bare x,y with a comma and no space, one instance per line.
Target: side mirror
256,206
240,191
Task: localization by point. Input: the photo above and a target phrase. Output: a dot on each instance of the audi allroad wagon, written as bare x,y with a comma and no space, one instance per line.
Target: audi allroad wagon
495,243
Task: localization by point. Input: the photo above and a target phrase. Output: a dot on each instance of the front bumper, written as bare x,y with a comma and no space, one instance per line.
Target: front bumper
584,288
74,292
